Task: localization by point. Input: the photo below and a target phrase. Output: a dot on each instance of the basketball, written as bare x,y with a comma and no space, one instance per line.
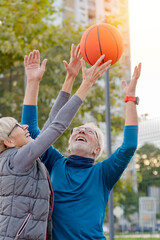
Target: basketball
101,39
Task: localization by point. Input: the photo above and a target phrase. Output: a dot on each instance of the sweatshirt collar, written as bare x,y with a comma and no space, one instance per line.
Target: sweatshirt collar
79,162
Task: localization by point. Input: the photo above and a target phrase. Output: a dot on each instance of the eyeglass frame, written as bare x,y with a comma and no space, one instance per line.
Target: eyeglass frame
16,125
93,131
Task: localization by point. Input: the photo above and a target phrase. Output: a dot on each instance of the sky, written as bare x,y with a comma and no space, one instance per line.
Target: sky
145,48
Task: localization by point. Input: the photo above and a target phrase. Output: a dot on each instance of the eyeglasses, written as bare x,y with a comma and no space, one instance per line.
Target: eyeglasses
86,129
16,125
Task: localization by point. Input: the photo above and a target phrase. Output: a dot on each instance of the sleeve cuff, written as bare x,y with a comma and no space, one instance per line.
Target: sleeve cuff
131,127
30,116
64,94
77,99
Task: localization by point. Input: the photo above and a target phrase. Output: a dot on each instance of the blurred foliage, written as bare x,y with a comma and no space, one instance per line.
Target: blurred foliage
148,174
148,167
26,25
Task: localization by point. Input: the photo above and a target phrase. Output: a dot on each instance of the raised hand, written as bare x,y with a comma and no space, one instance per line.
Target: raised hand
130,88
74,64
33,69
90,75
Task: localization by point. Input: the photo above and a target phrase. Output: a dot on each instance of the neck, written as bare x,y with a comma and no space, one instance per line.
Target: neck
83,154
80,161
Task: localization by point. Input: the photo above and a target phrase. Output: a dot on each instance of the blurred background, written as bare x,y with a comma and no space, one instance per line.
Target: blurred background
51,27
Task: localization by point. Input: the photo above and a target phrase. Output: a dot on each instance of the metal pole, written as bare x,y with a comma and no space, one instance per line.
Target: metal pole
108,135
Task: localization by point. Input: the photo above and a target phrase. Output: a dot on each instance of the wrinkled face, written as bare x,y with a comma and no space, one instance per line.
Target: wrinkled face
84,142
19,135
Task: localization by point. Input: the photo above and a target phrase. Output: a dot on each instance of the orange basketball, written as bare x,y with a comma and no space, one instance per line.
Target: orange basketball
101,39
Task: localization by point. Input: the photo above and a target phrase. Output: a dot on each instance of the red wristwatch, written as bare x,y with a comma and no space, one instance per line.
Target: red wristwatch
131,98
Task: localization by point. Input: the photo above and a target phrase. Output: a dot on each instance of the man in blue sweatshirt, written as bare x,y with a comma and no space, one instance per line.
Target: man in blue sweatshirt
82,188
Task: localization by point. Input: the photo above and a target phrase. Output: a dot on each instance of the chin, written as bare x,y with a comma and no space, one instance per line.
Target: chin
29,139
76,149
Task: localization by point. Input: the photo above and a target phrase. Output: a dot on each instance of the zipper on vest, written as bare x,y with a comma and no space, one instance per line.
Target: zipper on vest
20,231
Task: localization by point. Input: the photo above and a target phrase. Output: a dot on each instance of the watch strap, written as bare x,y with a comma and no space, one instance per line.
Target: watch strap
132,99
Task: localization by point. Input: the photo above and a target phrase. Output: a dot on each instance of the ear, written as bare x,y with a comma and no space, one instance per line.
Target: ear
68,147
9,143
97,150
69,143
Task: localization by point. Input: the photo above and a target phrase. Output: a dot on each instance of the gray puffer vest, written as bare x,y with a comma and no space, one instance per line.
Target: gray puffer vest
26,201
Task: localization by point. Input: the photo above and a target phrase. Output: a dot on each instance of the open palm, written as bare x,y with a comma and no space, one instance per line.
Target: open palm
130,88
74,64
33,69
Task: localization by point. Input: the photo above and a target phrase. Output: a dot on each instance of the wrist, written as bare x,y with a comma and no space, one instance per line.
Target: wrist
132,94
86,84
83,90
70,77
33,82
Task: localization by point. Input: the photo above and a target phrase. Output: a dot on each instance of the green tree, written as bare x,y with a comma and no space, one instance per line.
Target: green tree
26,25
148,165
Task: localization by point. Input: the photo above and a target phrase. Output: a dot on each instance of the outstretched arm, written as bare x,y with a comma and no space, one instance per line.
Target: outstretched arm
115,165
34,74
129,89
72,69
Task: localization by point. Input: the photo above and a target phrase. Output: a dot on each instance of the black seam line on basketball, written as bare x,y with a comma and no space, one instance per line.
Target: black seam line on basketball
115,41
99,42
86,43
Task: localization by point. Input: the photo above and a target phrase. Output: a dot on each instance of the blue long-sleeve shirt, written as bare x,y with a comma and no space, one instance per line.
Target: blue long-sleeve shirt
81,192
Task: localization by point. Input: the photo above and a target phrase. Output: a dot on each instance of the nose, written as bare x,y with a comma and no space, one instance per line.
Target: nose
25,126
82,130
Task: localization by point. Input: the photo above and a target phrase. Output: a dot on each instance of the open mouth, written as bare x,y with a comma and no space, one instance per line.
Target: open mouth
81,139
27,134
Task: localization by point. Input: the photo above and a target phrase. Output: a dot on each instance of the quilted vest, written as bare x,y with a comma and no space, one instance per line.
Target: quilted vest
26,201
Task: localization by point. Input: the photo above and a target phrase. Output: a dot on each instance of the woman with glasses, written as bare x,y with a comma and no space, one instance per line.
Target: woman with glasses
26,196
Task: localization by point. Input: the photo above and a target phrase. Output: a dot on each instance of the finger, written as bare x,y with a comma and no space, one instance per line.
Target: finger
30,57
104,69
25,60
72,50
134,73
99,61
43,65
139,69
77,50
105,65
34,55
65,64
79,53
37,56
83,64
124,84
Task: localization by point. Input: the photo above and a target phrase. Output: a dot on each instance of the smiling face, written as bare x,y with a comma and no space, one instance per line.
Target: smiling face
18,136
84,142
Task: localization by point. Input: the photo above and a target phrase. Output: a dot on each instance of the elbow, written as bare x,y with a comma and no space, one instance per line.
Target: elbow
60,126
131,149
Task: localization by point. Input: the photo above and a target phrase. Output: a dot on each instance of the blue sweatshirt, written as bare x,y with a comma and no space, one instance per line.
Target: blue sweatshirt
81,188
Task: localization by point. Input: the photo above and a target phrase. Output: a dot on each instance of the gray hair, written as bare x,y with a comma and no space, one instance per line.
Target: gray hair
100,137
6,124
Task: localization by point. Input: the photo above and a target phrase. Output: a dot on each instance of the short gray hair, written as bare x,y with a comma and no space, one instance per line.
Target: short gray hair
6,124
100,137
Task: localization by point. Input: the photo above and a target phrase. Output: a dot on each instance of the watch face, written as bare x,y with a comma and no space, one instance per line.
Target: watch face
137,100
